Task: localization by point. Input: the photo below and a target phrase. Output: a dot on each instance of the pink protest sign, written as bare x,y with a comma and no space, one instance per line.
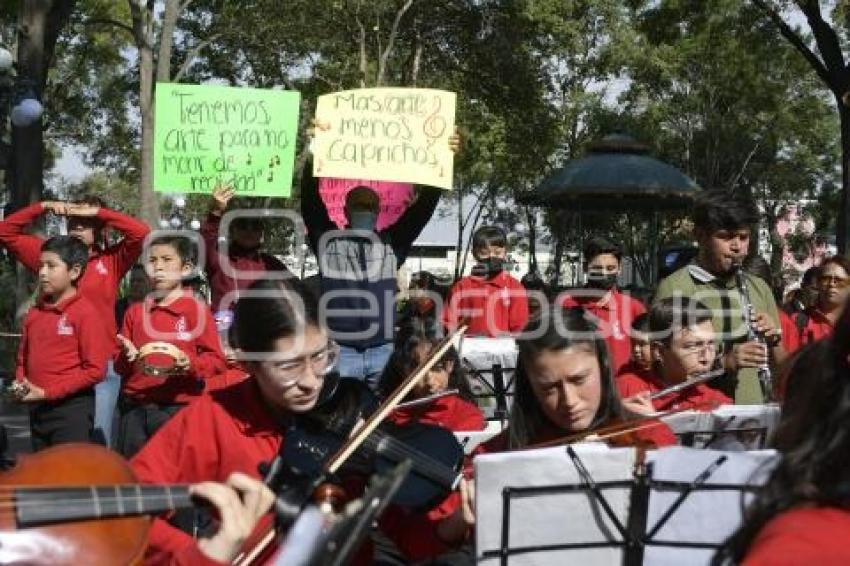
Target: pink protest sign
394,198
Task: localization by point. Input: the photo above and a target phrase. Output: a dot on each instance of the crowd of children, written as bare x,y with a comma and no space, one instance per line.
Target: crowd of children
208,391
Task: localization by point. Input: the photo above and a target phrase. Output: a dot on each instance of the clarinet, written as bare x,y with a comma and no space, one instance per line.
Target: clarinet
748,313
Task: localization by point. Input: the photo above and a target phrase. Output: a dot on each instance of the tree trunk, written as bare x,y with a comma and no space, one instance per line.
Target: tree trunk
842,225
150,200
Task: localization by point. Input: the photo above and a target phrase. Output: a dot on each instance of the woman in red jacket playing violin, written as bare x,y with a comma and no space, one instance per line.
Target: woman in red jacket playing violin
564,387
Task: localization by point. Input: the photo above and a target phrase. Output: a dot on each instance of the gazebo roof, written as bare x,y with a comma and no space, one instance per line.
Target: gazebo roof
616,174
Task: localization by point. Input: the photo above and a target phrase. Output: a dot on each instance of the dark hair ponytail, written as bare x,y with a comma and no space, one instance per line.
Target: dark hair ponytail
270,310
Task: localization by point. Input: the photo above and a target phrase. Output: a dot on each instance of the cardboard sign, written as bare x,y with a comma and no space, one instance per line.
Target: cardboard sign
394,198
386,134
242,137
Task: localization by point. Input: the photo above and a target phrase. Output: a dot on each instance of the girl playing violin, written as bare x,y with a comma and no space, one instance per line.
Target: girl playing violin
683,346
288,353
802,514
455,411
564,387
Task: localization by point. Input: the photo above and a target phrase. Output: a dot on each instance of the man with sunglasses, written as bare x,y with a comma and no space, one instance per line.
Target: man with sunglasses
683,347
722,224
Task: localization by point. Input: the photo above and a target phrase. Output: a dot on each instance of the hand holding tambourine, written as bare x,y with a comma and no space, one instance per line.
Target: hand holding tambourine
149,357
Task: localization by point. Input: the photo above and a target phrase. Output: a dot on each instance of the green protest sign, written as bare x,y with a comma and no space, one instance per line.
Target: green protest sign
242,137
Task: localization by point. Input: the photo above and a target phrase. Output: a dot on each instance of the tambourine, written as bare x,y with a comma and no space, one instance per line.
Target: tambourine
165,349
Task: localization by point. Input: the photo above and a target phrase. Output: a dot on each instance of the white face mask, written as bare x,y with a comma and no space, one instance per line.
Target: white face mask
362,220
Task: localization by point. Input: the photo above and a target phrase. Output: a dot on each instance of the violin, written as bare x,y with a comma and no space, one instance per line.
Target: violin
621,433
78,504
317,449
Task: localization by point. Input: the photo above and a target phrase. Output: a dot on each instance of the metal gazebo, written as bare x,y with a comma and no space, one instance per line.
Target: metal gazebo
617,175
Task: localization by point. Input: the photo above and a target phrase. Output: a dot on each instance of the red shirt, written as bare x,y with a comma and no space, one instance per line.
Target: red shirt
105,267
228,431
817,326
697,396
64,347
246,266
493,307
188,324
800,537
451,412
613,319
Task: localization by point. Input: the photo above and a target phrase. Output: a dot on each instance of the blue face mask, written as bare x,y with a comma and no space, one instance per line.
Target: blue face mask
362,220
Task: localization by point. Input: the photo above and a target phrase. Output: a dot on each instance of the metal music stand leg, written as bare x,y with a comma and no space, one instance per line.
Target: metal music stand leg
501,392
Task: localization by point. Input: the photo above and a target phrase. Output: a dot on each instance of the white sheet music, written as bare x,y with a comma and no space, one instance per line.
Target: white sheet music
730,427
705,516
551,518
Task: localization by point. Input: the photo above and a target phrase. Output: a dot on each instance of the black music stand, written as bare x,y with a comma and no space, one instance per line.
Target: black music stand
499,389
628,534
633,535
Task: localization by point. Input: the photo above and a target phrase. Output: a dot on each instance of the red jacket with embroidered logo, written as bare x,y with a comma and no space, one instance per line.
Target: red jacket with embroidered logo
186,323
218,434
105,267
493,307
242,263
800,537
696,397
613,318
64,347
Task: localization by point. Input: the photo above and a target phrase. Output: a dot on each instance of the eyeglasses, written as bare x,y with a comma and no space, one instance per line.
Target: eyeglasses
695,348
839,282
322,363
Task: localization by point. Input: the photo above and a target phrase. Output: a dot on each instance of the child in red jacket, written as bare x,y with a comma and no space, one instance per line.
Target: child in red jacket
88,219
683,346
176,317
63,350
490,300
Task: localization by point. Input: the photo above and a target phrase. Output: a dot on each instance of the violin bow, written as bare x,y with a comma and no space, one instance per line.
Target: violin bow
428,399
626,427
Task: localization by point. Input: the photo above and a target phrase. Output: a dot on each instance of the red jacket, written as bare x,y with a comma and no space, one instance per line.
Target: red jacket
188,324
613,318
816,327
64,347
493,307
800,537
105,267
632,383
451,412
223,278
228,431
